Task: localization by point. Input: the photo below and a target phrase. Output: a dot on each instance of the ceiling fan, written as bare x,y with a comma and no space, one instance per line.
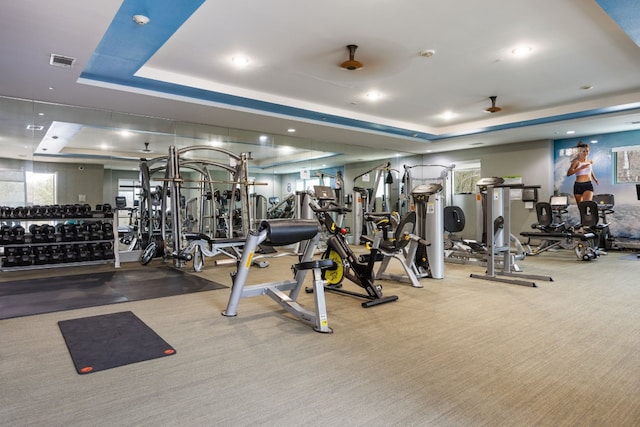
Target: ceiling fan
352,64
493,108
146,148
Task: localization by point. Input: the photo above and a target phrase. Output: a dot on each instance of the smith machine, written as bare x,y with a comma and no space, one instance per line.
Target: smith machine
164,233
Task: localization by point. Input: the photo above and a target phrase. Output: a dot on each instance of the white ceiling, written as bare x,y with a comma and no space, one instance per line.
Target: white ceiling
293,79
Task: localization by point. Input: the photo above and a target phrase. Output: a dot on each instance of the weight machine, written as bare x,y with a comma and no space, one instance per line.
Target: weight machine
605,204
284,232
429,195
554,233
171,235
364,200
404,247
498,231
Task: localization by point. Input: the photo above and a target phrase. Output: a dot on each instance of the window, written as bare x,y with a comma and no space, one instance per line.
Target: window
627,164
465,177
20,188
306,184
11,193
41,188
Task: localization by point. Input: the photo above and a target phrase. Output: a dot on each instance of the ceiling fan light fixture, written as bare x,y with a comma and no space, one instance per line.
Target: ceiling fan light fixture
493,108
351,64
146,148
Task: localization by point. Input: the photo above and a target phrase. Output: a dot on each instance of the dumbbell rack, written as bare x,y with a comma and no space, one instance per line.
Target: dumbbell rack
63,248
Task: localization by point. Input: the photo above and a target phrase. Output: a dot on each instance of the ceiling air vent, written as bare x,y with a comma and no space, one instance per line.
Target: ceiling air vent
61,61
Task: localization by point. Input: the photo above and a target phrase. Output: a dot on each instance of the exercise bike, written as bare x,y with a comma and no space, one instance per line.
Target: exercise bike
358,270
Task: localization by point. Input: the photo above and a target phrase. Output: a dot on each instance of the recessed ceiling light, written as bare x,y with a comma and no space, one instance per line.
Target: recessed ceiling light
594,141
34,127
427,53
240,61
291,130
373,95
586,87
263,138
448,115
571,132
522,50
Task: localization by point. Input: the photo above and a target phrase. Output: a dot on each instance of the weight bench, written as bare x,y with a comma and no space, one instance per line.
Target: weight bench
280,232
200,246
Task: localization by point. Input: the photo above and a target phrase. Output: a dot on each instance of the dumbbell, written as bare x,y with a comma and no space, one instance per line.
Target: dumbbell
107,231
40,255
24,255
6,237
66,232
48,233
18,234
82,252
55,254
36,233
107,248
69,253
11,257
95,250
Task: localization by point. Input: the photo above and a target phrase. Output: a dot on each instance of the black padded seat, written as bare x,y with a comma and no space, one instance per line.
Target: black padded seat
604,201
543,212
589,215
288,231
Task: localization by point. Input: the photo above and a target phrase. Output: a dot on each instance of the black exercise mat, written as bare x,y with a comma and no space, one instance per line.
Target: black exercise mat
60,293
103,342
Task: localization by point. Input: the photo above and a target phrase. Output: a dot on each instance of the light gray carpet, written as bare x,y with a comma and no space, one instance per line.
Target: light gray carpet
459,352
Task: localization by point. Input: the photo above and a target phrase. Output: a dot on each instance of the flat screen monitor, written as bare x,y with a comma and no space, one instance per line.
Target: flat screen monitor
324,193
559,201
121,202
